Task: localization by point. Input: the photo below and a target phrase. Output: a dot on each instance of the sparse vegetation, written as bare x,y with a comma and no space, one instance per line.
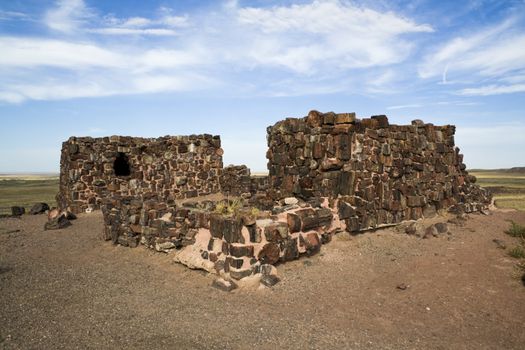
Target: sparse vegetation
254,212
229,207
516,230
517,252
27,190
506,185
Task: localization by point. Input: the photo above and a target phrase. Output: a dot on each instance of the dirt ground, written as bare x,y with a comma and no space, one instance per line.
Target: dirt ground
68,289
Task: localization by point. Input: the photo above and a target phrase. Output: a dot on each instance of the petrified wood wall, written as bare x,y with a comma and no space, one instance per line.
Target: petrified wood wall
383,173
171,167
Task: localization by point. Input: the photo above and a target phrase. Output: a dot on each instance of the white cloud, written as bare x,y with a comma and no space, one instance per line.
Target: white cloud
12,15
328,17
174,21
71,16
70,70
133,31
169,58
460,52
11,97
404,106
492,90
169,19
136,22
488,57
317,47
163,26
68,15
97,85
61,90
307,37
32,52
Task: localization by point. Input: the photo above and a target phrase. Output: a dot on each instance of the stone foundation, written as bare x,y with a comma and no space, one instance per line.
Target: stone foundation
224,237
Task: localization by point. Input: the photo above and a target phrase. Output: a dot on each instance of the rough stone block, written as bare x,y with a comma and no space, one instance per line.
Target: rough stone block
269,254
276,231
240,251
345,118
289,249
294,222
311,242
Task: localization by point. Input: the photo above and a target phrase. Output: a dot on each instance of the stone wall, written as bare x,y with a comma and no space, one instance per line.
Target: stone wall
383,173
235,180
327,173
168,167
223,237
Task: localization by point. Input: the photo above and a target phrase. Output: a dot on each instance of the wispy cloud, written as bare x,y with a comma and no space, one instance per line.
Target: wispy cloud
492,90
34,52
68,15
71,16
312,48
494,54
133,31
325,33
12,15
404,106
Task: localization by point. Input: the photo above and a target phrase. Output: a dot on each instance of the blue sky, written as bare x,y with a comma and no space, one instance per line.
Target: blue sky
154,68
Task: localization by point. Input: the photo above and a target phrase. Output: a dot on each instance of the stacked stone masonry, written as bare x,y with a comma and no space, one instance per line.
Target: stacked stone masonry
327,173
383,174
169,167
237,244
236,180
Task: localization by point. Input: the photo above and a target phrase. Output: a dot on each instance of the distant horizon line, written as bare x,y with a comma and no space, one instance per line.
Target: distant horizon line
257,172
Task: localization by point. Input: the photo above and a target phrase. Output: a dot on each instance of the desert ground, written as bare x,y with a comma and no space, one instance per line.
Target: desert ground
68,289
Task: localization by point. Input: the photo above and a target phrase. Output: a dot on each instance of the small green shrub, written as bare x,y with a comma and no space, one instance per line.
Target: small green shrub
234,206
220,208
517,252
229,208
516,230
254,212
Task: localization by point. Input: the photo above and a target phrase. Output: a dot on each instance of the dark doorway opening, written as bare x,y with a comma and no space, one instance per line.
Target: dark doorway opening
121,165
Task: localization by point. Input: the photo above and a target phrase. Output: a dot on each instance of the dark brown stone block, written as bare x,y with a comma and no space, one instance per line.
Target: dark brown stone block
255,233
216,226
329,118
236,263
311,242
289,249
312,219
240,251
314,119
345,118
294,222
276,231
345,210
269,254
382,121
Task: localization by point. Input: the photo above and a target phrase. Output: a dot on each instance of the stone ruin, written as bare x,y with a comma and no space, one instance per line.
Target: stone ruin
328,173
